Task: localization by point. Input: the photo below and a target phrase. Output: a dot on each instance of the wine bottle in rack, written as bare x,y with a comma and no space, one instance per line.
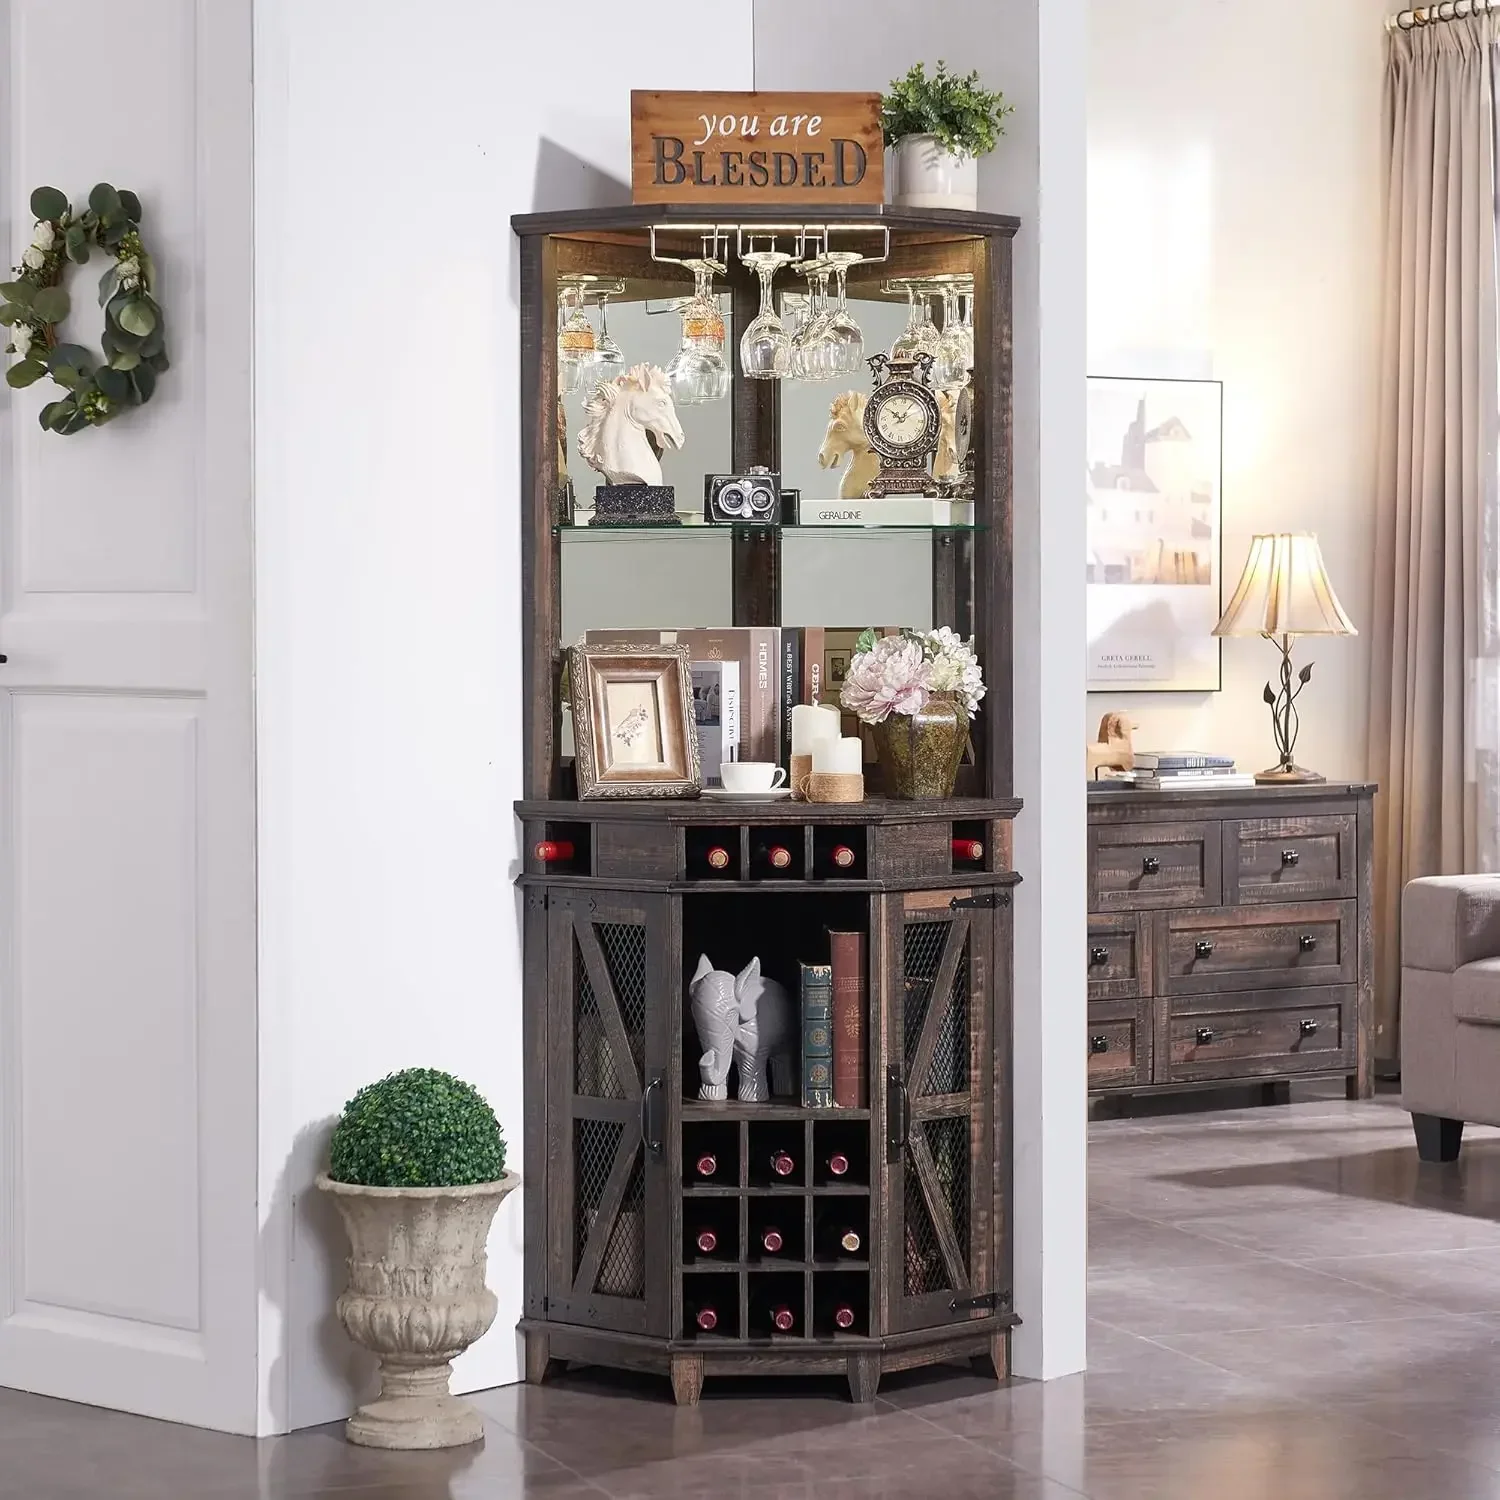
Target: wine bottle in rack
702,1315
842,1317
771,1240
710,861
782,1318
706,1166
553,851
771,859
837,1165
782,1163
968,851
706,1240
839,1235
841,857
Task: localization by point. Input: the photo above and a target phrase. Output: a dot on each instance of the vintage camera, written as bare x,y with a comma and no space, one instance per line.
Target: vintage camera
753,498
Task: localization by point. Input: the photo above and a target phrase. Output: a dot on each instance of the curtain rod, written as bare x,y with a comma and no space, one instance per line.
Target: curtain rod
1428,15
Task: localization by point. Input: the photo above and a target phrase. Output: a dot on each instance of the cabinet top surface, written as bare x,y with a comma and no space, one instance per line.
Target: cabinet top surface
638,215
1271,796
717,812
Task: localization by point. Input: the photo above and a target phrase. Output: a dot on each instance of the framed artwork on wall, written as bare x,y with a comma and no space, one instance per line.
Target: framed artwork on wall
1154,565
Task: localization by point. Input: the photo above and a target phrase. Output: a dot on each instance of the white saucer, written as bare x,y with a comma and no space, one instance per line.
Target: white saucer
724,795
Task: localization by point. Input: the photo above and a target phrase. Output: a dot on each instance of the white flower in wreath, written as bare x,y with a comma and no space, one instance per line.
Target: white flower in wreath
34,259
128,269
45,236
20,340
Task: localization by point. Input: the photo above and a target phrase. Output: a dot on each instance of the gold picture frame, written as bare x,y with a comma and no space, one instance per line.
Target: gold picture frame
634,734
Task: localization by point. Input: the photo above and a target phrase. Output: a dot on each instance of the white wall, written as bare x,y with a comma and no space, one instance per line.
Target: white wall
1234,201
1035,52
390,156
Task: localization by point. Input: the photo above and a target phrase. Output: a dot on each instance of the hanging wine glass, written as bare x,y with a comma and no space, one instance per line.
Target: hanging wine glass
812,353
577,345
919,336
609,358
699,373
765,349
954,354
845,338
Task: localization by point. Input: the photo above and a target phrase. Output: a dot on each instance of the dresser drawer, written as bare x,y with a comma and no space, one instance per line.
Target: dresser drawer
1257,947
1145,866
1119,1043
1255,1035
1119,956
1289,859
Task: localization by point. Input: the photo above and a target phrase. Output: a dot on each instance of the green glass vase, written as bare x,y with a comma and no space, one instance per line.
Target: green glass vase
919,753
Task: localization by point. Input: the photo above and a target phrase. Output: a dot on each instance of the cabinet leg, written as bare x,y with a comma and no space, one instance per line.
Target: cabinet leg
687,1378
539,1363
1438,1139
864,1378
1279,1091
995,1362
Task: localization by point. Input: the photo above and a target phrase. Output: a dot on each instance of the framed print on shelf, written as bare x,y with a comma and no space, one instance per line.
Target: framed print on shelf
1154,541
633,729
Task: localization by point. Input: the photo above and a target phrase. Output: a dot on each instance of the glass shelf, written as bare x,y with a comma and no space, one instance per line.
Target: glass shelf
620,533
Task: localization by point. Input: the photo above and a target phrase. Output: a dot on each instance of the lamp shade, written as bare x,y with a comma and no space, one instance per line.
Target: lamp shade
1284,590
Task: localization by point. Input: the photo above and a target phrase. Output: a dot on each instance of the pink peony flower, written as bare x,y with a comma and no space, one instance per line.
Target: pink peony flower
890,678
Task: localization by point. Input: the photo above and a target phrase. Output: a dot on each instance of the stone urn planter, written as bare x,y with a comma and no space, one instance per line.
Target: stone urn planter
416,1298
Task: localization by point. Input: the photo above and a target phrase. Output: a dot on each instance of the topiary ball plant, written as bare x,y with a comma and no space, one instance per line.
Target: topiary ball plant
967,119
417,1128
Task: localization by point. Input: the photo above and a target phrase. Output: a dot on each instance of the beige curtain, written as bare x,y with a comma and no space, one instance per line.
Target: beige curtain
1435,687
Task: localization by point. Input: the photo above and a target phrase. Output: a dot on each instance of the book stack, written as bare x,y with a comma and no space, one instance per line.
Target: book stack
1178,771
834,1066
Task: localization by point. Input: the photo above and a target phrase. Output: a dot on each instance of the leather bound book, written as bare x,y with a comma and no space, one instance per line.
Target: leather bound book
846,950
817,1036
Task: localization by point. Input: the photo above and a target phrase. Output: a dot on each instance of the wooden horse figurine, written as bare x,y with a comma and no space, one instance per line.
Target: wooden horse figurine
1113,747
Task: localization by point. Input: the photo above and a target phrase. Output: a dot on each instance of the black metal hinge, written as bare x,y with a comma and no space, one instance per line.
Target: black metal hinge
984,898
984,1302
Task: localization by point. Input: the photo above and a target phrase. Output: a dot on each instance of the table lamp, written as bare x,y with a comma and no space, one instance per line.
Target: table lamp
1284,592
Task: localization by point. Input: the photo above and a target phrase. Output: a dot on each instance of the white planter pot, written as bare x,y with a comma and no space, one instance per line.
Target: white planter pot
928,175
416,1298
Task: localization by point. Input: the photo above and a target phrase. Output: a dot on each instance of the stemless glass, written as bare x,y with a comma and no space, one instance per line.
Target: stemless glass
577,345
699,373
765,349
845,337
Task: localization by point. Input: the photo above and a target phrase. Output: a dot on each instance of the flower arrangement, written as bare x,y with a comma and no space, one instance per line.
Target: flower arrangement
967,119
95,389
902,674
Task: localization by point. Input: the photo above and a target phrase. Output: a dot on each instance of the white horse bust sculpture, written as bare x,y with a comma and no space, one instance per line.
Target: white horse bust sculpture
619,415
846,434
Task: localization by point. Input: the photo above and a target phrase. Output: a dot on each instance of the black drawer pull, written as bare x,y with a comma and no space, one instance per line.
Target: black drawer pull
1205,1036
1307,942
1290,856
1203,948
1098,956
1098,1044
1150,865
1307,1026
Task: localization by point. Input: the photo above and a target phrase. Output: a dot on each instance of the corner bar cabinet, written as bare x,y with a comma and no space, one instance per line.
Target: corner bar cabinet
617,909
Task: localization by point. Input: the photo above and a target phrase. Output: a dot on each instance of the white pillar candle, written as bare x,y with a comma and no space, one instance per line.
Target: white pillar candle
843,757
812,722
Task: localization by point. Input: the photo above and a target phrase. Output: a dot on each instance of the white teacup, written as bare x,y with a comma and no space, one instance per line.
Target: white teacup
751,775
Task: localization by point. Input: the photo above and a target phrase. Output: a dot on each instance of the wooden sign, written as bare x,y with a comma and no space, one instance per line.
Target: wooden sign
756,148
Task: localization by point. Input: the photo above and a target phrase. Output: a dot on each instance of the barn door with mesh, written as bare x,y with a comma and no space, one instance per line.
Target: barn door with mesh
607,1110
939,1112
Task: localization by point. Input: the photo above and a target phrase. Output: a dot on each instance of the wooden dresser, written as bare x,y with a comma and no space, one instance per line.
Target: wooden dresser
1229,937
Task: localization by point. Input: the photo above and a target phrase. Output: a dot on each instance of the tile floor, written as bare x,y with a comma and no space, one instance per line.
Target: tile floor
1284,1306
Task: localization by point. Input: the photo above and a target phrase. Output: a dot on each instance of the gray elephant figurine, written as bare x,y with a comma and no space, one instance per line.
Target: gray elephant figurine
769,1033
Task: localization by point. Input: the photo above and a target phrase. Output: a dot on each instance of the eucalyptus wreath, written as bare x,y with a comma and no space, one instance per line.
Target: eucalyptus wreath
97,388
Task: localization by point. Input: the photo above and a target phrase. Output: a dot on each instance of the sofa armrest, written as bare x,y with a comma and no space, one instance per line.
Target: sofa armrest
1450,920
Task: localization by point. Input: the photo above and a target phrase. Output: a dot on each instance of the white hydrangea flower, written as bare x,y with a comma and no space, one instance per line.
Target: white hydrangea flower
34,259
45,236
20,340
129,268
954,668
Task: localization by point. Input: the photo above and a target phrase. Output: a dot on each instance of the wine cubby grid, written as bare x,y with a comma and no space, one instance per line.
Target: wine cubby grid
796,1210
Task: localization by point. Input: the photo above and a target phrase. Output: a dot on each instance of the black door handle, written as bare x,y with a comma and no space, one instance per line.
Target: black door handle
1307,1027
652,1102
1307,942
1150,865
897,1114
1205,1036
1098,1044
1203,948
1290,856
1098,956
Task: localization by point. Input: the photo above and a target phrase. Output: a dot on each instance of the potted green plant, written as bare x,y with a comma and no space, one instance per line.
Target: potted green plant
938,128
417,1170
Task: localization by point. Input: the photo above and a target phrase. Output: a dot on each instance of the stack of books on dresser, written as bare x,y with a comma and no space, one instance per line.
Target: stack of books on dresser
1179,771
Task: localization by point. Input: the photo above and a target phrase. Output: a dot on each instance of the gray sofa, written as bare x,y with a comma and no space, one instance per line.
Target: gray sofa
1450,1008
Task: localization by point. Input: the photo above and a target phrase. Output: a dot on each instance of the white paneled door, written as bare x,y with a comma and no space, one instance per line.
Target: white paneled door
127,892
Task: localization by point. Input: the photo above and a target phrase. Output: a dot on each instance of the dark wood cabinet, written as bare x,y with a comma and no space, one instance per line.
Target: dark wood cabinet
659,1237
1229,936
